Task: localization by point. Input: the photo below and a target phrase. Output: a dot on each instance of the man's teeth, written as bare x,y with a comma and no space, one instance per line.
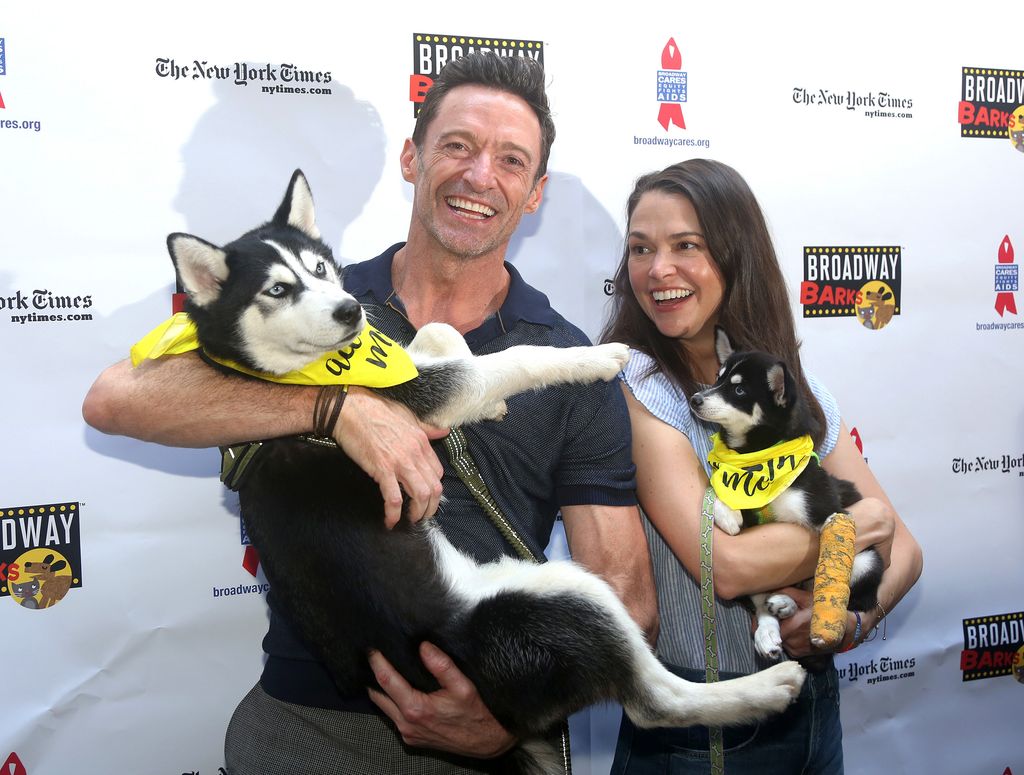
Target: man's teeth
464,204
675,293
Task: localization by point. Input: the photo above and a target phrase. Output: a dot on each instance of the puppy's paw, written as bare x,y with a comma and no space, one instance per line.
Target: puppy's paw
781,606
768,641
728,519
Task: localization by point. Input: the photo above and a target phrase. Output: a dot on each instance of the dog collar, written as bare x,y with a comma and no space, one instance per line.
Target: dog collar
372,360
751,480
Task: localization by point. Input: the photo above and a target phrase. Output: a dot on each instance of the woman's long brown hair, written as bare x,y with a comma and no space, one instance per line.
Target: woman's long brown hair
755,307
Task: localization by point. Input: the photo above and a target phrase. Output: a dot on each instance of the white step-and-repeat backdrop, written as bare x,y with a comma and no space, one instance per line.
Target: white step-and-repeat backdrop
880,143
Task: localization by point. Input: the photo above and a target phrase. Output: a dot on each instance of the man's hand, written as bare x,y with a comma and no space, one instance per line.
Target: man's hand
452,719
387,441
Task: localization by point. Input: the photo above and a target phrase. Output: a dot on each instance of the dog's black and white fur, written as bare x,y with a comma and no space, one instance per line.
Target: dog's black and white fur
756,403
538,641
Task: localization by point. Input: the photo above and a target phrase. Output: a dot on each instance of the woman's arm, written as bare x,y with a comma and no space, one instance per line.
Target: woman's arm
671,484
905,557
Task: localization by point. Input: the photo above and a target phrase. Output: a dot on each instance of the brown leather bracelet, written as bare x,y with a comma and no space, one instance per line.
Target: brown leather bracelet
327,409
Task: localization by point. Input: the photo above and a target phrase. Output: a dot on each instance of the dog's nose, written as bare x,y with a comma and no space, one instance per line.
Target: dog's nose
697,400
347,313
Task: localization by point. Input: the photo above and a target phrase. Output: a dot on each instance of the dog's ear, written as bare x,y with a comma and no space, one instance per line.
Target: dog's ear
201,266
723,345
781,385
297,208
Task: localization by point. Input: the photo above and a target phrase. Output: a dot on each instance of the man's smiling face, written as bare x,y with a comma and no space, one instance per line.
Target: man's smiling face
475,175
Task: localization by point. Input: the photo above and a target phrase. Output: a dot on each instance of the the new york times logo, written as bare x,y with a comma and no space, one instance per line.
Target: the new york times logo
430,53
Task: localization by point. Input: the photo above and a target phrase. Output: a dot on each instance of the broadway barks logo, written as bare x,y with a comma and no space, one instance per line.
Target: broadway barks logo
430,53
993,647
992,105
40,553
860,282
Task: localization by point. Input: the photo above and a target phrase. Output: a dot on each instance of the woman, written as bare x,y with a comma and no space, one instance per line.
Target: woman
698,253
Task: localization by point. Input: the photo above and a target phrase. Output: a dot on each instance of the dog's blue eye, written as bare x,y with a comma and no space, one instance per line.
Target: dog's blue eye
738,390
321,269
277,290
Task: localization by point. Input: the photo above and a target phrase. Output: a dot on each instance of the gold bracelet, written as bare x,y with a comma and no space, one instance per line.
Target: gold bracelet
881,619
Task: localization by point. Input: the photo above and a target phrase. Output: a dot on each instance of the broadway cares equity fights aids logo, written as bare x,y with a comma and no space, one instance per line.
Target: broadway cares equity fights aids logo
992,105
11,123
430,53
1006,283
860,282
672,92
40,553
993,647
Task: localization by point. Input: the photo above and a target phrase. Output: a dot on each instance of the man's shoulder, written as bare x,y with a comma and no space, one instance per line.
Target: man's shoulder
372,276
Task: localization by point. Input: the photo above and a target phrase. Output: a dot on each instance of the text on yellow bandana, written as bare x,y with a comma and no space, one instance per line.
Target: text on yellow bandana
372,360
753,479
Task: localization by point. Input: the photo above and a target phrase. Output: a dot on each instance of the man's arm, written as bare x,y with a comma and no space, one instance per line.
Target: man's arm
610,541
180,401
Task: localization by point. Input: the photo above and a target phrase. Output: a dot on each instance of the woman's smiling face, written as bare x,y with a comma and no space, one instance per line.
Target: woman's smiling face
673,275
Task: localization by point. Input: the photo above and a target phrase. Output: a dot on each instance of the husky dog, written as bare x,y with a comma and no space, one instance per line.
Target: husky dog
756,403
539,641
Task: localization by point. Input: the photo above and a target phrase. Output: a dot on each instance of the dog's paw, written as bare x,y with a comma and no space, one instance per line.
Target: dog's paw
781,606
728,519
495,411
607,360
768,641
788,676
439,340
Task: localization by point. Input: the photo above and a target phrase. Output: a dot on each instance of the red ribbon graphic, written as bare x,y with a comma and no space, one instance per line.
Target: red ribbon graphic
251,560
671,112
1005,300
13,765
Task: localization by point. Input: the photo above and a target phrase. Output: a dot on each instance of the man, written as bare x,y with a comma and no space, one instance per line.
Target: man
477,161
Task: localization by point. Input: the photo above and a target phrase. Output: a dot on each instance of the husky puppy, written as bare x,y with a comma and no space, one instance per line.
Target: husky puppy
539,641
756,404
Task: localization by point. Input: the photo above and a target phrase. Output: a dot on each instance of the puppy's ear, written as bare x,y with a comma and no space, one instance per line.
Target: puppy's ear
201,266
723,345
781,385
297,208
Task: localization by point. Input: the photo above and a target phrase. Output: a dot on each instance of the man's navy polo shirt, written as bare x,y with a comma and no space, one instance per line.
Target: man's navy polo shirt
561,446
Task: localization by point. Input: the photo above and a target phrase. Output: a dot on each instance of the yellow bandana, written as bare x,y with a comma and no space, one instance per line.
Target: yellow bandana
372,360
754,479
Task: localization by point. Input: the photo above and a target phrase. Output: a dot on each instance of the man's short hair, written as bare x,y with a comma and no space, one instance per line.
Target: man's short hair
521,76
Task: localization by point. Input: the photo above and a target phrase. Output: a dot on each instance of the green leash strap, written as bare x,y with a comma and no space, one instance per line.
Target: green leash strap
464,465
707,602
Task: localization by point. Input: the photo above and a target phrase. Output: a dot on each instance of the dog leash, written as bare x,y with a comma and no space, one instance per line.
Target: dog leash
464,465
707,602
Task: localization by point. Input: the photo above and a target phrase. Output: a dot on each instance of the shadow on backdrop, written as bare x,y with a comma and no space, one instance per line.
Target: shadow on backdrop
236,166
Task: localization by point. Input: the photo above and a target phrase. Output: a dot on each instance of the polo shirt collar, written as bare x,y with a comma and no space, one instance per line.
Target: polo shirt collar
523,302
